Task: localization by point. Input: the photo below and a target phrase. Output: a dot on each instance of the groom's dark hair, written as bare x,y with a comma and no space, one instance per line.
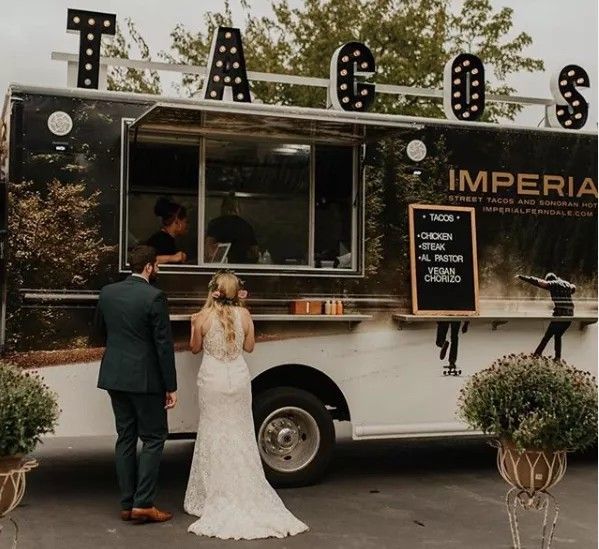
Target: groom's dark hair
140,256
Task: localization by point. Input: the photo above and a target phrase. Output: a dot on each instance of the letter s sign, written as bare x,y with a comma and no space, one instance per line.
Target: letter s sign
574,113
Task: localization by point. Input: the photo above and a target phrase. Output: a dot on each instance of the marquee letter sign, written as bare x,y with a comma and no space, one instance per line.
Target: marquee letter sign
90,25
573,114
227,66
351,60
464,87
463,78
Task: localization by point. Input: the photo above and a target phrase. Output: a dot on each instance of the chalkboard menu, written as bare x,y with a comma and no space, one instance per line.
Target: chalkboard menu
443,260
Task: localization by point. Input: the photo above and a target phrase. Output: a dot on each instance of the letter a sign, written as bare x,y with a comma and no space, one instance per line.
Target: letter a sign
227,67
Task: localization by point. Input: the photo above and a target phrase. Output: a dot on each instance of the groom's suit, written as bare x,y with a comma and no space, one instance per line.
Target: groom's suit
138,368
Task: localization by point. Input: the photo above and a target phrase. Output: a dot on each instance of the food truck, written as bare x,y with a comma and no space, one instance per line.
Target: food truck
385,252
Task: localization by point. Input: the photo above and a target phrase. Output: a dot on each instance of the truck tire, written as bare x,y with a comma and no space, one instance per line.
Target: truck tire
295,435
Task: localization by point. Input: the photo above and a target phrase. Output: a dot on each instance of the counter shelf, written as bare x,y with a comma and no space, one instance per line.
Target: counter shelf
494,320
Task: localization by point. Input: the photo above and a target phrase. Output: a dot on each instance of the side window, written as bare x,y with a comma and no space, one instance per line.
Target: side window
263,205
162,198
334,204
257,203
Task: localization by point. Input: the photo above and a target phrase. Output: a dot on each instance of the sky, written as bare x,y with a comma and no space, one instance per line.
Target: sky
563,32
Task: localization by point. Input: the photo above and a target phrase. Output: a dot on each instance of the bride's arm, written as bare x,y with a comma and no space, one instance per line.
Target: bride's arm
248,326
195,340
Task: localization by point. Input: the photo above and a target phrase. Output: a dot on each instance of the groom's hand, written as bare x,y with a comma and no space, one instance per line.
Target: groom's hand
171,400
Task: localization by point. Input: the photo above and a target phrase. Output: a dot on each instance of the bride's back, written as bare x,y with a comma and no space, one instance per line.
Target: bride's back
215,340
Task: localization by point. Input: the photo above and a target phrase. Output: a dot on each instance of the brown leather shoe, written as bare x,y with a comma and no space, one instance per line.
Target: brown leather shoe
126,515
150,514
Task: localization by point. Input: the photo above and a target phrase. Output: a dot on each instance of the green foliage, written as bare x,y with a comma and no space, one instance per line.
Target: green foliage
392,184
55,237
411,41
55,241
28,410
126,79
190,48
536,402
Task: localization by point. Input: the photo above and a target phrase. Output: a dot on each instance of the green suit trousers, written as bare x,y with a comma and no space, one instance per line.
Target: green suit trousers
138,416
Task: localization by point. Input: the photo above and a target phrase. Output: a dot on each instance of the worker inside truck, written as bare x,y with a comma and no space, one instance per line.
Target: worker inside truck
162,202
229,237
174,224
257,202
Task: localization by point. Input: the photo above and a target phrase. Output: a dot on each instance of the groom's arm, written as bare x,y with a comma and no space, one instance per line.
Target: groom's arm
163,341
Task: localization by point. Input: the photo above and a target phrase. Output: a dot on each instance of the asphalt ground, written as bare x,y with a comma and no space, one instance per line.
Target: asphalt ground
379,495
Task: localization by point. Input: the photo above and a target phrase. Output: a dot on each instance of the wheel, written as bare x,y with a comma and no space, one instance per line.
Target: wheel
295,434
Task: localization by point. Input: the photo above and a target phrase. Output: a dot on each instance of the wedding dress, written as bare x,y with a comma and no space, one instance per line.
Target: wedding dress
227,488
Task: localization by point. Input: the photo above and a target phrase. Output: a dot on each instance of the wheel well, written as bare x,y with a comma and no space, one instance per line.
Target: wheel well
306,378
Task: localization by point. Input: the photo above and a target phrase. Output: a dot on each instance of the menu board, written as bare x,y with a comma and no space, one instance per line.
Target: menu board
443,260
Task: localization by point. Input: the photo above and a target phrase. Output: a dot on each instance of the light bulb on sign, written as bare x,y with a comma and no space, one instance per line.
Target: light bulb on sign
345,91
227,67
460,101
90,35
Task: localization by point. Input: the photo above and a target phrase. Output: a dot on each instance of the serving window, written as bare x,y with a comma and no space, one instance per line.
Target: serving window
255,204
257,207
162,170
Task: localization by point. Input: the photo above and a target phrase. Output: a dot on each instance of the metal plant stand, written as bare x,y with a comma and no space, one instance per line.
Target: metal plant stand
538,501
13,482
531,474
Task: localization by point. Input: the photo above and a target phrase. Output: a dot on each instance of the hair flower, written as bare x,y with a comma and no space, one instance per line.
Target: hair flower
242,294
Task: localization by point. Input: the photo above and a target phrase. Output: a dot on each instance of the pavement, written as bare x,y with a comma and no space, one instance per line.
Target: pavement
378,495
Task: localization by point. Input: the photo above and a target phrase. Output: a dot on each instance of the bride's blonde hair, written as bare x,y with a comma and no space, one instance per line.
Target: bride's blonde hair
223,296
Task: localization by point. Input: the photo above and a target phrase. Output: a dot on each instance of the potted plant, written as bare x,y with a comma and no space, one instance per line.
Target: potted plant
537,409
28,409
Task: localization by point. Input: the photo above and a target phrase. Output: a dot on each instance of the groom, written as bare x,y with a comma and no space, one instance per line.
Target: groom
138,371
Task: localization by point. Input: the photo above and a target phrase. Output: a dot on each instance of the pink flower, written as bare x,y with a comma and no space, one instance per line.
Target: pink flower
216,294
242,294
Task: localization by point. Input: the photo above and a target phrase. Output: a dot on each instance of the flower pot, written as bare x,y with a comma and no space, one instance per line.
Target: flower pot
12,481
530,470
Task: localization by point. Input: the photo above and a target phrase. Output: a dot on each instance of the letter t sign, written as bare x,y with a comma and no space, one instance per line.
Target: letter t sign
90,25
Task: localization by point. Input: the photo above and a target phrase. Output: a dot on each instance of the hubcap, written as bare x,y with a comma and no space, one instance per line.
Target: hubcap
288,439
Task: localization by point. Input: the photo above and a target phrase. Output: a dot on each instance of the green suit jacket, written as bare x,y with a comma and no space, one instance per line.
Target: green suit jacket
132,319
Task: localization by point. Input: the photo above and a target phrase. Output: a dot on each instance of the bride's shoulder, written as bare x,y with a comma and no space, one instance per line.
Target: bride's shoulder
244,315
199,317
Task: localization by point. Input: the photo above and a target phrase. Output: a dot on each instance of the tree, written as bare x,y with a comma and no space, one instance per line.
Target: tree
126,79
56,241
411,41
190,48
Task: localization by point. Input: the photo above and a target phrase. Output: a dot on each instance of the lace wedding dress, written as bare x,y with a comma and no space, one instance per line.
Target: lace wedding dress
227,488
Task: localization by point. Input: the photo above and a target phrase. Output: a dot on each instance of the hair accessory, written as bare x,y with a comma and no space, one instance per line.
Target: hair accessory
218,296
212,284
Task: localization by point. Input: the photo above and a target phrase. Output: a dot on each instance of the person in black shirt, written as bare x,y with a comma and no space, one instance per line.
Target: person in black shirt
561,293
174,223
231,228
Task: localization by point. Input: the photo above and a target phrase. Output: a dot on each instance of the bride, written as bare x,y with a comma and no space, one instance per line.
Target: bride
227,488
